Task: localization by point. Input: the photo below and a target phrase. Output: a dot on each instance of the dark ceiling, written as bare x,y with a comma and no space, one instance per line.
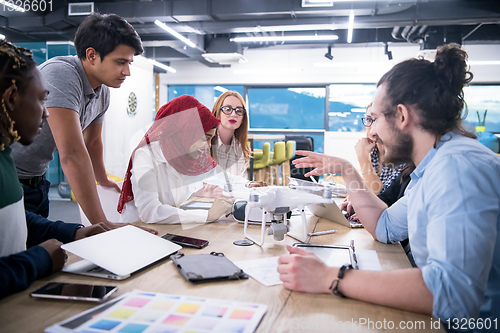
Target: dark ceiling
211,23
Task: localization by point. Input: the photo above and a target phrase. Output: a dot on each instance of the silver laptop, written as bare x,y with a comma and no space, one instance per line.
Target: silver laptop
118,253
332,212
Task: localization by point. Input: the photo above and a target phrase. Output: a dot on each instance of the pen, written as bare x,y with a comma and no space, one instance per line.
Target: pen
321,233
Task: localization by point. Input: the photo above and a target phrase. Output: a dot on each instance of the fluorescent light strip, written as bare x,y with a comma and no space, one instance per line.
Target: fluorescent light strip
159,64
61,43
351,64
485,62
11,5
351,26
268,70
283,38
175,33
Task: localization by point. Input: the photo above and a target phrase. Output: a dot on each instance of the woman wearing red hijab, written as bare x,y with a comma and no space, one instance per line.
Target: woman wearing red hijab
173,162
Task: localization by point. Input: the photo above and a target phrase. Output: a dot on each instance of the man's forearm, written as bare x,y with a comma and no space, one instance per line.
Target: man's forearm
401,289
366,204
79,172
95,150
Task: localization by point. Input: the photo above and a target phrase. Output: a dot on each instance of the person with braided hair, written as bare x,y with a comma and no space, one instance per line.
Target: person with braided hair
450,211
22,112
78,100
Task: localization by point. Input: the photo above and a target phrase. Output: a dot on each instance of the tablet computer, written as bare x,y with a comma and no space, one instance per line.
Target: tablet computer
332,255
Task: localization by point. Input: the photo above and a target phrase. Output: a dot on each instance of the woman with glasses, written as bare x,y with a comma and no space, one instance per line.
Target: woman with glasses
377,175
229,145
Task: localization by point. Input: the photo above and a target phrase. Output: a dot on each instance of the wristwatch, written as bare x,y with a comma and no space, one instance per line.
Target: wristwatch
78,228
334,287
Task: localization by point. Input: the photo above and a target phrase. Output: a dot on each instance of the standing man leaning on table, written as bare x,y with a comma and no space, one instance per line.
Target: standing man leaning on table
450,211
78,99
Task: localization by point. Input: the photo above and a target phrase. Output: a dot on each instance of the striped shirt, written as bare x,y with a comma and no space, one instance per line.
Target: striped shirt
230,157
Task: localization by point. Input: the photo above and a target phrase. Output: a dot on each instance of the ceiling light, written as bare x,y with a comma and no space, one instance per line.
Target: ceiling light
284,38
268,70
485,62
351,26
174,33
163,66
317,3
224,58
346,64
11,5
323,3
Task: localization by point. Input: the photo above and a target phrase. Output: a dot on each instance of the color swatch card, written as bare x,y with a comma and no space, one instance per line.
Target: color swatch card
146,312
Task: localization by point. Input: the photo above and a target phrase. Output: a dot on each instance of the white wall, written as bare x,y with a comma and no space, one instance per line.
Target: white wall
119,128
357,64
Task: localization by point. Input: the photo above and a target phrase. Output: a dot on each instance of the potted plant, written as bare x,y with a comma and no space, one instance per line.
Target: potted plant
481,124
486,138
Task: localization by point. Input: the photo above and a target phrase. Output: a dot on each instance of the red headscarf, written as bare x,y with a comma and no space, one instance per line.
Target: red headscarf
177,126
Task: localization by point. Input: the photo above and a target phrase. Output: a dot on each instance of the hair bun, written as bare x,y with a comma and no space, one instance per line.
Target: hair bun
450,66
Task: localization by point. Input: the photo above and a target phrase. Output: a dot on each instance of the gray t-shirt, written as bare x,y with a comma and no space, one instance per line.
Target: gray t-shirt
68,88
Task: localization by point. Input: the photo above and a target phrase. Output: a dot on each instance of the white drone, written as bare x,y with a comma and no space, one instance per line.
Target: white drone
279,200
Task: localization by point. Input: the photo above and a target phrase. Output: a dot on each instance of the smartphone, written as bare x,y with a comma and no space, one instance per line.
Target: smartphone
73,291
186,241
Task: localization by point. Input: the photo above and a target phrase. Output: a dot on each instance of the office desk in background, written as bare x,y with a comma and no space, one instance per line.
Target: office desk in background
288,311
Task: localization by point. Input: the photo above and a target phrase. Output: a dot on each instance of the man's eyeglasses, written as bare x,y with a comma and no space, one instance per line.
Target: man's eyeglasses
227,110
367,121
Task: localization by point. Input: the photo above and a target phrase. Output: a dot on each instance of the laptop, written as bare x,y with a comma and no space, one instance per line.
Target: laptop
118,253
332,212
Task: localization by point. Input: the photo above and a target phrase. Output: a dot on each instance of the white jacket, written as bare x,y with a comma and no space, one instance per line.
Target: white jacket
159,189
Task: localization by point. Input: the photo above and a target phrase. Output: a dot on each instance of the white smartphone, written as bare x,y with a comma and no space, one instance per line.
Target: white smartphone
73,291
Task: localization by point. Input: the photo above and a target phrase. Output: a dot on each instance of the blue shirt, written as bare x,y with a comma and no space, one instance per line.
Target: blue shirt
451,214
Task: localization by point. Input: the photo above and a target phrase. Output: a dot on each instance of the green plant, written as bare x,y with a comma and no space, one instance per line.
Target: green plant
481,123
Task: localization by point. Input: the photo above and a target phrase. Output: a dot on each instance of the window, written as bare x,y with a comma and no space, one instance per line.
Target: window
207,95
294,111
481,98
348,104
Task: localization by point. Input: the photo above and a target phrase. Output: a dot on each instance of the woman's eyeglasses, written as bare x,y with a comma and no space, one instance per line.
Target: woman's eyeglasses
227,110
367,121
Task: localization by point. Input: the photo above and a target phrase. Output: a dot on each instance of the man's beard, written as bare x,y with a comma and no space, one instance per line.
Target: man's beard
399,149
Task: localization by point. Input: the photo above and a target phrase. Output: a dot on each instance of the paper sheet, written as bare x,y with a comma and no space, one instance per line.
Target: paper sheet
264,270
368,260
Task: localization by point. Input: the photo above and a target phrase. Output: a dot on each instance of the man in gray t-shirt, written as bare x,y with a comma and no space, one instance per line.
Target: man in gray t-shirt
69,89
77,101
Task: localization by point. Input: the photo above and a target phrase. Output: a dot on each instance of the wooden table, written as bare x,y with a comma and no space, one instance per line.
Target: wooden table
288,311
